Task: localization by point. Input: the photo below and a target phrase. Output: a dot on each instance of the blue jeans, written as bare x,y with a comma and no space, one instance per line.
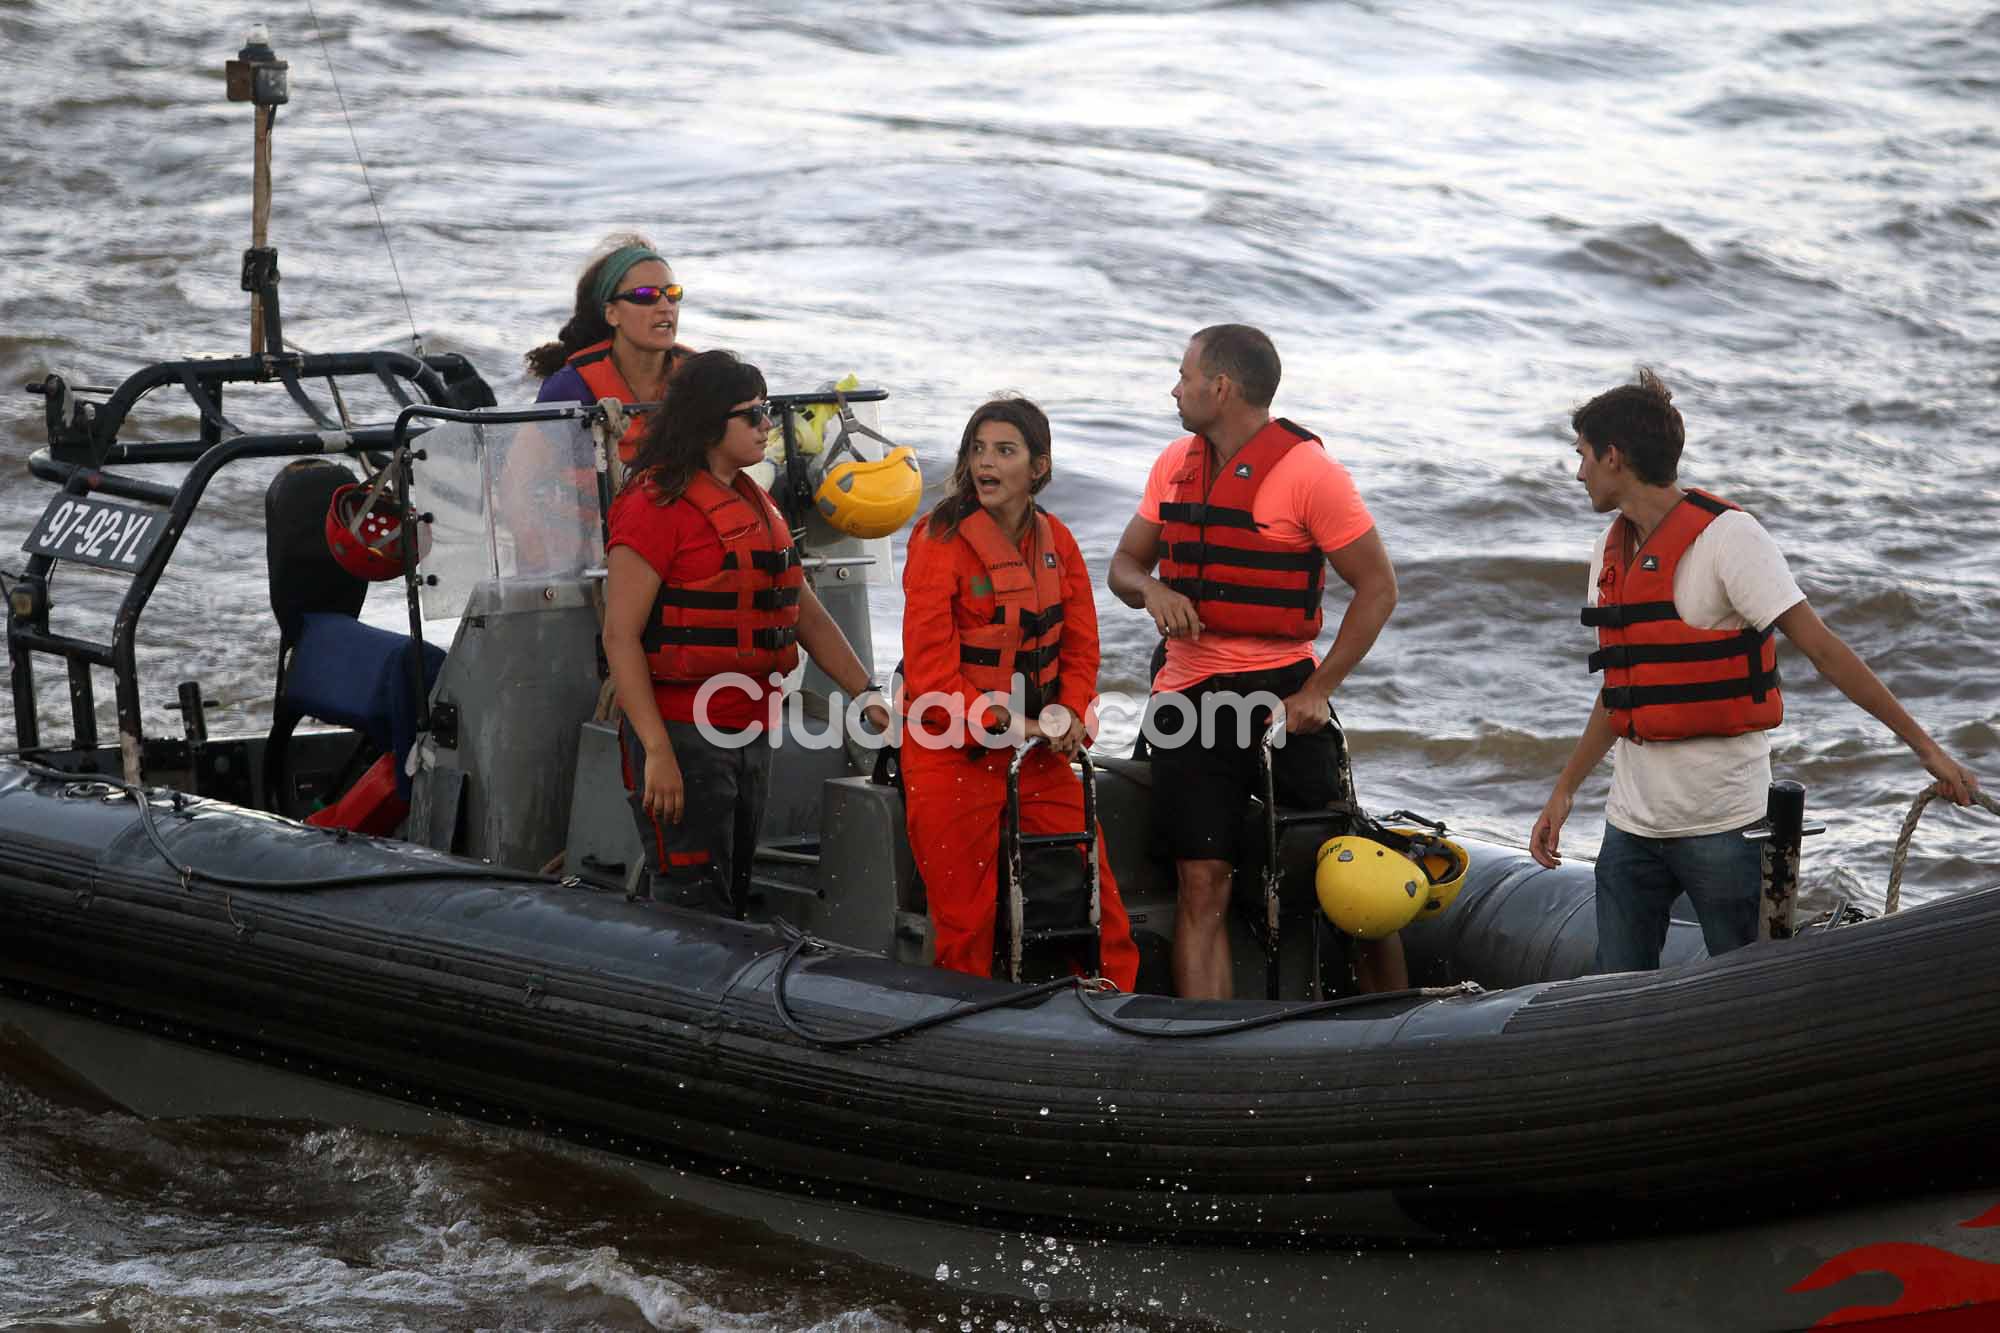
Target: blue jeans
1639,878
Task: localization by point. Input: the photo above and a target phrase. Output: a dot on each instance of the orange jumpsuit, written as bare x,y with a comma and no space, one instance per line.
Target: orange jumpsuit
955,798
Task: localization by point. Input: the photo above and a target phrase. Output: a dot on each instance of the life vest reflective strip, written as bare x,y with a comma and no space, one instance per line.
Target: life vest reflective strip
1025,634
601,376
745,617
1213,553
1665,680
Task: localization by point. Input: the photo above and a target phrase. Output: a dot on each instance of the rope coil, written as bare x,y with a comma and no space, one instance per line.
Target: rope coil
1893,900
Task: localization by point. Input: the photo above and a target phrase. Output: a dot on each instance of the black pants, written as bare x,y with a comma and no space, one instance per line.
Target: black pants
702,862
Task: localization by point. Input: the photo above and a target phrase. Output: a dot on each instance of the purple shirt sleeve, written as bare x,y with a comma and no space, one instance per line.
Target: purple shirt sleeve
565,386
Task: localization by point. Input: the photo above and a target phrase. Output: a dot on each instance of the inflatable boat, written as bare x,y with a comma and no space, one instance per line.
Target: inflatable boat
1799,1134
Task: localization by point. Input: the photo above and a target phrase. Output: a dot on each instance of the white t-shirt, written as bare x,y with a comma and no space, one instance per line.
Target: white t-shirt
1732,576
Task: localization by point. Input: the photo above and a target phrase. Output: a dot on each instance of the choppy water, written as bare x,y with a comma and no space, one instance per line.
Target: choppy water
1457,222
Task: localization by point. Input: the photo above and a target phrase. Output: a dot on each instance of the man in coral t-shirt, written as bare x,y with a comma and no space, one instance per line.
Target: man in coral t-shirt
1269,506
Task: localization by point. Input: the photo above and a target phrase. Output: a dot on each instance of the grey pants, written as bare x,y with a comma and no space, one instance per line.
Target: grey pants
703,862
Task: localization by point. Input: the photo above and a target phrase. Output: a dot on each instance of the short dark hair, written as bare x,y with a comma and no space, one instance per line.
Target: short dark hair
1641,421
1245,355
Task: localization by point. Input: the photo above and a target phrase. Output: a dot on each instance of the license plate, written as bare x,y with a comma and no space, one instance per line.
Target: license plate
95,531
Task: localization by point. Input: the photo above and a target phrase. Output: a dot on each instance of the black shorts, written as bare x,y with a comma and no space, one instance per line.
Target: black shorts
1201,791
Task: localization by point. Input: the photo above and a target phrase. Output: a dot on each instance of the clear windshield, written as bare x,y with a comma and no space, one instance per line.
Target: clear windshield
515,501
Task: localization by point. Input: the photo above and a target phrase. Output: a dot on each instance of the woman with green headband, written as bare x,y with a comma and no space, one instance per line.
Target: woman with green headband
620,341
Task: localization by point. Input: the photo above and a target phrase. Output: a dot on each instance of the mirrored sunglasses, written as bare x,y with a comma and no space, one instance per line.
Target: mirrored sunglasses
652,295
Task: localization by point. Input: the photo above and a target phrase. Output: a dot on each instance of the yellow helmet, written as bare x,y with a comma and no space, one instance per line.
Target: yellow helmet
870,499
1367,889
1444,863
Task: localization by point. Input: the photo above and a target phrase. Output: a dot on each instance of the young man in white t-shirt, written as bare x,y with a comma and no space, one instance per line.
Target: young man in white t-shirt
1685,590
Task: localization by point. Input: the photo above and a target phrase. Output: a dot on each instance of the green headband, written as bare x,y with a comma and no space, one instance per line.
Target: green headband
616,265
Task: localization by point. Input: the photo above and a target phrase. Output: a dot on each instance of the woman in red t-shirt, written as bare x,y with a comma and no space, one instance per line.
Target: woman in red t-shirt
706,611
987,546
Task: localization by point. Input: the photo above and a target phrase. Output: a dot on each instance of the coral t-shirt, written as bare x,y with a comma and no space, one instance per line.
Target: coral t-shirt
1308,499
682,547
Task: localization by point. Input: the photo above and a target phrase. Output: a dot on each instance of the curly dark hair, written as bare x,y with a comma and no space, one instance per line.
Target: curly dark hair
586,325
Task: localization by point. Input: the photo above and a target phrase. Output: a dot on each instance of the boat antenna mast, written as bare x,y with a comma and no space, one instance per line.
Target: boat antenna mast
258,77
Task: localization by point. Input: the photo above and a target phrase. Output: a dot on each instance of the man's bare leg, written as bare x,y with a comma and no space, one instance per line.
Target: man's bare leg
1201,931
1379,965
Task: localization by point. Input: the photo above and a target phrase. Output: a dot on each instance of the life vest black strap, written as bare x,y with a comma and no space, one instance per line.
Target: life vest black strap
773,563
1626,697
720,636
1035,626
1707,502
1208,553
1029,662
1207,516
1627,655
1618,616
765,599
1209,590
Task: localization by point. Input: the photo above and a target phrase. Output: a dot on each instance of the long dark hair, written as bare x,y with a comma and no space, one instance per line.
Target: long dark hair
962,497
700,397
586,323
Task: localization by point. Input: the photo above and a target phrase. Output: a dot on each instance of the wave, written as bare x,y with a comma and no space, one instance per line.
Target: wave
1736,110
1646,251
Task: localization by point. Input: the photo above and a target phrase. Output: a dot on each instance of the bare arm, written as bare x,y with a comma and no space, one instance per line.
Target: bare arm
1590,750
1833,659
1132,582
1363,565
823,641
630,587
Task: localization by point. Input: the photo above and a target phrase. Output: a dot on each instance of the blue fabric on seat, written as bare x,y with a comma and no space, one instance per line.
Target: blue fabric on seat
355,675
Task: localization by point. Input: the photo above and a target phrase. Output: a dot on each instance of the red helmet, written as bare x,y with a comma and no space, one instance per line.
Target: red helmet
368,545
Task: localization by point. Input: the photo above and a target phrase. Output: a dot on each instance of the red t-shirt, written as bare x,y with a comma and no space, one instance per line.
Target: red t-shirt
682,547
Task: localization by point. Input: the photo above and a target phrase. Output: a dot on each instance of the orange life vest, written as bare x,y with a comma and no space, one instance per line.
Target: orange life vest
1025,635
1213,553
746,617
601,376
1665,680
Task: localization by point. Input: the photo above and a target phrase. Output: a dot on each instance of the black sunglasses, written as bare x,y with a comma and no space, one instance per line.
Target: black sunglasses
759,415
673,291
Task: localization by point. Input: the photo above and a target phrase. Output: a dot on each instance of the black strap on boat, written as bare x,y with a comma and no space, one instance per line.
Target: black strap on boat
1088,991
288,375
210,409
190,874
